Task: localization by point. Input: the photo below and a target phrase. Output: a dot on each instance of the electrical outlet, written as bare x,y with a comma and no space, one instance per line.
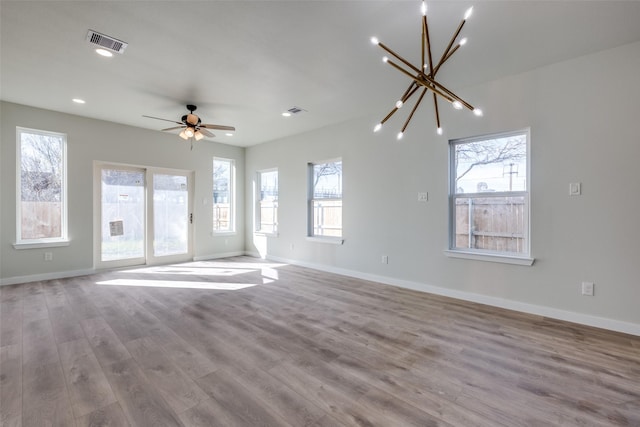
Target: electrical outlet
48,256
385,259
588,288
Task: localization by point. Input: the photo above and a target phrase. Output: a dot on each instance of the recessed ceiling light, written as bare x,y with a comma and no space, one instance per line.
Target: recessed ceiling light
104,52
78,100
286,114
229,134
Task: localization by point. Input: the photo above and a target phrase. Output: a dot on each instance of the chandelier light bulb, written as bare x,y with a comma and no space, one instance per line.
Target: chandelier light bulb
374,40
457,105
399,104
183,135
199,135
423,8
377,127
468,13
439,131
463,41
189,132
477,112
399,137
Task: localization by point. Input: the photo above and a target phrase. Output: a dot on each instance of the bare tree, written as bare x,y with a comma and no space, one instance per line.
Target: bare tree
488,152
41,167
326,169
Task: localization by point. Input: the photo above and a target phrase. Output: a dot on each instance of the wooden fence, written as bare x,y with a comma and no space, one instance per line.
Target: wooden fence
41,220
496,224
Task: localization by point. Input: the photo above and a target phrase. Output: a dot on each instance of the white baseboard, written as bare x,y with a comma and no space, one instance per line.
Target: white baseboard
216,256
45,276
554,313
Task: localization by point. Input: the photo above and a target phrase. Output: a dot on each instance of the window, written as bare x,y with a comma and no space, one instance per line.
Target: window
41,190
267,202
489,195
325,199
223,195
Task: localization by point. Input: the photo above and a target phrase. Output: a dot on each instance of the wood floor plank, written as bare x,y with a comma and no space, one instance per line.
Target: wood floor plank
290,405
222,387
210,413
109,416
104,342
191,361
38,342
139,399
88,387
11,322
45,400
10,383
66,326
178,390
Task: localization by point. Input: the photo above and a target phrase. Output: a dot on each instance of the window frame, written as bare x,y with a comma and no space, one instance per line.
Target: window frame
63,240
258,203
232,196
310,204
523,258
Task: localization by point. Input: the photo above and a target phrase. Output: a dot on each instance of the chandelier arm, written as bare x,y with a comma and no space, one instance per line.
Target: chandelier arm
453,39
426,82
413,87
422,43
406,95
435,104
415,107
445,60
435,86
426,41
401,59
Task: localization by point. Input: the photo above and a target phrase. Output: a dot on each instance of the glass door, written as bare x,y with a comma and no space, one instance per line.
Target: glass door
123,216
171,217
145,216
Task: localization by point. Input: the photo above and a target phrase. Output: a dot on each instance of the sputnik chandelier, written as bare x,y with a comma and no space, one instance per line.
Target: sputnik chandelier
424,76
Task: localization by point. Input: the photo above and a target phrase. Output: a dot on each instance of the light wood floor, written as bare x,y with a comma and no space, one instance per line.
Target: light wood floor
300,348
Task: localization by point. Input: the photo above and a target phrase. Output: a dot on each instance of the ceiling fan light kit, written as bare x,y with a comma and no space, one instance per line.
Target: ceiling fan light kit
192,127
423,76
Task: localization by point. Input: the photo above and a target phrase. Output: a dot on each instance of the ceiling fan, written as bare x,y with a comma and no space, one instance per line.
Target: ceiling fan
192,126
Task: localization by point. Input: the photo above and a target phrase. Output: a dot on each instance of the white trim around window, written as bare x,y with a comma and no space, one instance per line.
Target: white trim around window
489,198
41,189
224,196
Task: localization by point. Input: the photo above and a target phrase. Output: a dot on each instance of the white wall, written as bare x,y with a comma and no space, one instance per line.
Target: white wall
94,140
582,114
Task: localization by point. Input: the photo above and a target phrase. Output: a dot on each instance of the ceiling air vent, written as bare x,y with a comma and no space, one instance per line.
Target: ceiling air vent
106,42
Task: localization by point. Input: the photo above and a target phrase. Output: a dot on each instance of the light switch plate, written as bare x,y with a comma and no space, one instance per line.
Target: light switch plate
574,189
423,197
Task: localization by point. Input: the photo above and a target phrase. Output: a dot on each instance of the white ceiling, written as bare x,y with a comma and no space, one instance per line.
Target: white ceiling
245,62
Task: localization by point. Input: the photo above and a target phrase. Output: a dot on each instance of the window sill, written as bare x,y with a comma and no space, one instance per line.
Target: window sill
505,259
223,233
265,234
39,245
329,240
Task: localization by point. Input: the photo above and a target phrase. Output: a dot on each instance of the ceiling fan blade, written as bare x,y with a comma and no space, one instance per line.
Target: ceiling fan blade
206,132
218,127
174,128
158,118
